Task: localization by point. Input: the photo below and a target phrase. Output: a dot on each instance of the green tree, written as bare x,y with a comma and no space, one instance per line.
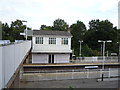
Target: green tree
78,31
13,31
44,27
86,51
17,27
100,30
6,32
60,25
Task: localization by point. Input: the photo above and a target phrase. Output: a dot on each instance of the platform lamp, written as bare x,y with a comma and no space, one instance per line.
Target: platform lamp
119,52
103,54
25,29
80,46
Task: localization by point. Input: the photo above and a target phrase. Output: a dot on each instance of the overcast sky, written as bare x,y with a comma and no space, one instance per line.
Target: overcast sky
39,12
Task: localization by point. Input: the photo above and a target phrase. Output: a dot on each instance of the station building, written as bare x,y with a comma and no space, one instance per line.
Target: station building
51,46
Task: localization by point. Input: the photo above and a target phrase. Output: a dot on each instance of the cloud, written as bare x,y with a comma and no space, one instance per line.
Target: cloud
38,12
108,5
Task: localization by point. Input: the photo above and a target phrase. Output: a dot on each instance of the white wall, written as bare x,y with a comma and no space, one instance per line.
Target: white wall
45,47
12,55
43,58
1,74
62,58
39,58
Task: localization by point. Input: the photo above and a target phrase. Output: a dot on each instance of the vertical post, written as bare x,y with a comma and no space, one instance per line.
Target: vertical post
119,54
87,73
80,48
56,75
102,76
103,54
101,50
21,73
104,51
25,29
100,72
26,33
103,59
118,51
109,73
72,74
107,53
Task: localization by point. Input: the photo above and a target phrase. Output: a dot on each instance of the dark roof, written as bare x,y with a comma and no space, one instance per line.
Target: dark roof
50,32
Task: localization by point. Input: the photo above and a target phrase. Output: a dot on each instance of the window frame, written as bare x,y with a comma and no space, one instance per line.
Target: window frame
38,40
64,41
52,40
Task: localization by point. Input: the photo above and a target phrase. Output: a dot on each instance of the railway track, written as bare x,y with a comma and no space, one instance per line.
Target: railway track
37,67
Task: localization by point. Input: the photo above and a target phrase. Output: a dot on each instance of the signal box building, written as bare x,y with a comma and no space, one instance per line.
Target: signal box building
51,46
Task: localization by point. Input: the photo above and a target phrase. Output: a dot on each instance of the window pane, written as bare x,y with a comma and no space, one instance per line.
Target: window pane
39,40
64,41
52,40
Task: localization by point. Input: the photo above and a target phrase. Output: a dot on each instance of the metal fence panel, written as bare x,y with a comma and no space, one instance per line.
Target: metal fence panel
12,55
1,75
95,59
8,57
67,74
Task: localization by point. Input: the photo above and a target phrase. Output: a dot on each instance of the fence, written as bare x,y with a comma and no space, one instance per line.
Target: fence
1,74
67,74
10,58
95,59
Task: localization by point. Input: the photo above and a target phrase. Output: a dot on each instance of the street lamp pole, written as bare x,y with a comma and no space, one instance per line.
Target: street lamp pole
80,46
118,51
119,54
104,50
103,54
25,29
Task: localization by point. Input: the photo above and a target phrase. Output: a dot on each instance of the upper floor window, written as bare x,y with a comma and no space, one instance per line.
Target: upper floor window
52,40
64,41
39,40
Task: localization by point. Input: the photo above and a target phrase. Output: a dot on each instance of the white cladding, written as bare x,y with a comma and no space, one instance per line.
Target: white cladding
62,58
53,48
44,58
39,58
60,51
1,73
10,58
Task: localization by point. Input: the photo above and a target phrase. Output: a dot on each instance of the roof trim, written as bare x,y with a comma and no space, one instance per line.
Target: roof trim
51,32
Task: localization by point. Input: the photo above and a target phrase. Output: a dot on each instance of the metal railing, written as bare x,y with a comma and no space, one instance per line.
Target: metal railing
66,74
95,59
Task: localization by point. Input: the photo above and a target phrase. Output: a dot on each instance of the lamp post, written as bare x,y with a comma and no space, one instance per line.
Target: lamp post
73,54
103,54
25,29
118,51
80,46
104,50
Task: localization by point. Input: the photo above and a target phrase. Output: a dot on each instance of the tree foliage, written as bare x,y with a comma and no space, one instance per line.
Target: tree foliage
17,27
60,25
78,31
44,27
100,30
13,31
